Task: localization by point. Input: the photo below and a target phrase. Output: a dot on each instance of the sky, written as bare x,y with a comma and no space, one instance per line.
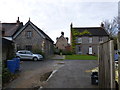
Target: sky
55,16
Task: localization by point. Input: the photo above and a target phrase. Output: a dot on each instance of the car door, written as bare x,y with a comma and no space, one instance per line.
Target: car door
29,55
22,54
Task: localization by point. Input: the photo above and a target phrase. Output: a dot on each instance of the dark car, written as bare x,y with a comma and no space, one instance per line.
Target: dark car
94,78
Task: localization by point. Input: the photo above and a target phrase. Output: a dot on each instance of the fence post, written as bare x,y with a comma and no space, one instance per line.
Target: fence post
112,66
119,58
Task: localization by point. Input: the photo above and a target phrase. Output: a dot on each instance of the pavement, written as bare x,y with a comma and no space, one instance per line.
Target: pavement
68,74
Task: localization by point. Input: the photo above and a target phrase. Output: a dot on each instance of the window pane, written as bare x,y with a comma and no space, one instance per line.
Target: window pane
79,40
29,34
22,52
90,40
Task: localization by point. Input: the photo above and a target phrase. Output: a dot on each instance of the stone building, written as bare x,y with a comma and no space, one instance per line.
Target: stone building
62,42
28,37
85,40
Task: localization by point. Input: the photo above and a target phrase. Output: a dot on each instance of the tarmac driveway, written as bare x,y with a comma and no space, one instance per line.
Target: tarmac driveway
69,74
73,75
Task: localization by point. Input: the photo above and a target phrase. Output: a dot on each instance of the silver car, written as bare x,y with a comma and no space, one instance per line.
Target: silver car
25,54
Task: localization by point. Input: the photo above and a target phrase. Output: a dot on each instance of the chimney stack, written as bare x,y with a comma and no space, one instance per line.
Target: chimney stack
62,33
71,25
67,39
102,25
18,20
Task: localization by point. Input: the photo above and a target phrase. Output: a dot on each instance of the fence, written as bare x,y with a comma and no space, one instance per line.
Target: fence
119,58
106,65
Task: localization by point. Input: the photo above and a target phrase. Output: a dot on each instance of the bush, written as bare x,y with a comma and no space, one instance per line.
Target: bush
36,51
67,52
6,74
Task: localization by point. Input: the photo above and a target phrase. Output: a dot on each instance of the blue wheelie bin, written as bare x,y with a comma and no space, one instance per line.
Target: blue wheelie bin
17,60
11,65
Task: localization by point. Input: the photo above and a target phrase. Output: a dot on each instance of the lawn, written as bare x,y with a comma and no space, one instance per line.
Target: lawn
80,57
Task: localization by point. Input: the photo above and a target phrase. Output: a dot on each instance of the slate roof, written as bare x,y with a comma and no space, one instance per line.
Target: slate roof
95,31
46,36
11,28
33,25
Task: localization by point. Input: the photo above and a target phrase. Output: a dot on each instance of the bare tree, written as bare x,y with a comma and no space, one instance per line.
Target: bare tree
111,26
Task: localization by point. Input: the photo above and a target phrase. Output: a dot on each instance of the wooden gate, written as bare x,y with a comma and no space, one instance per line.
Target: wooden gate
106,65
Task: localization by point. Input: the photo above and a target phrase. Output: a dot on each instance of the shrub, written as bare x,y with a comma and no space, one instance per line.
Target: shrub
67,52
6,74
36,51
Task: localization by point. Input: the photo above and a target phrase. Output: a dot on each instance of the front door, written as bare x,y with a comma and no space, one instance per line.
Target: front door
90,50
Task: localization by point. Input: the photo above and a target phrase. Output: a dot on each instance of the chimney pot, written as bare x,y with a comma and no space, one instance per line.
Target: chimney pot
62,33
18,20
102,25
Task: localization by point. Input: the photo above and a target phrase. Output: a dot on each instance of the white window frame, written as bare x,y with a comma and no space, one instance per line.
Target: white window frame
90,39
79,40
29,34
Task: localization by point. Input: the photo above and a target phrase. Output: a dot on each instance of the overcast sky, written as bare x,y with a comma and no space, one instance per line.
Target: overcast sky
54,16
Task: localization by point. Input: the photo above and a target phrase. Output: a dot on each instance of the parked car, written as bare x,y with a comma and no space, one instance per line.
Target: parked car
25,54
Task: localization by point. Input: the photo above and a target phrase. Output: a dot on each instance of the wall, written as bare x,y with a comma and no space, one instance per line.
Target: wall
85,44
61,43
36,41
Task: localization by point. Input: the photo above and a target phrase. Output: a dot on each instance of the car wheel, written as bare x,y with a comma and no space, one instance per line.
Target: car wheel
35,59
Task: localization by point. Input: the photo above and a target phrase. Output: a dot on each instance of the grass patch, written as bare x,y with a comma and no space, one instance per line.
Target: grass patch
80,57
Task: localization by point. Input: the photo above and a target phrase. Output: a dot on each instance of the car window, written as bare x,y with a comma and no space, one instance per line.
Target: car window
28,52
22,52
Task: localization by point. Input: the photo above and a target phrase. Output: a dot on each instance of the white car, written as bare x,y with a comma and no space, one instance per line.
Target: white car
25,54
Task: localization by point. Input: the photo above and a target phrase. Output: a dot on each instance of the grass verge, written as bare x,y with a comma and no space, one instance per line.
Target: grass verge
80,57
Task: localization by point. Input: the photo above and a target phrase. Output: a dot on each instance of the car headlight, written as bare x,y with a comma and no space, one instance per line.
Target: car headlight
40,56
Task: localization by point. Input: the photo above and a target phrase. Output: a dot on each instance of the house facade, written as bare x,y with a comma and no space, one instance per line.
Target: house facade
28,37
85,40
62,42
